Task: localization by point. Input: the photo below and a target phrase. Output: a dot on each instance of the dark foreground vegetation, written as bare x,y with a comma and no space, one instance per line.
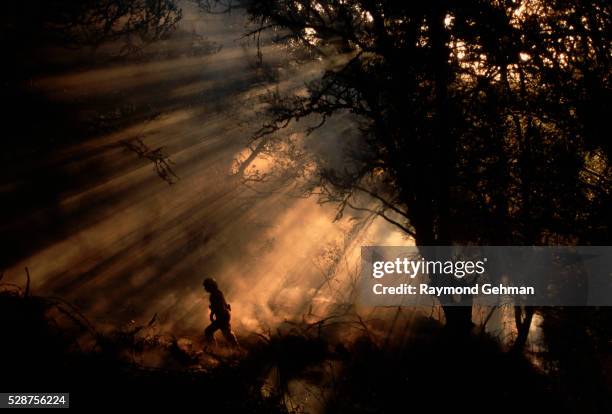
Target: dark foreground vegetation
49,345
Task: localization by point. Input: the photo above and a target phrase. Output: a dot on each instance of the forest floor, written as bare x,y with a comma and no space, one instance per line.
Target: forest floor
48,345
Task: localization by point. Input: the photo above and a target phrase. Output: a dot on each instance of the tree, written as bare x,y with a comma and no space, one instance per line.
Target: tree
481,121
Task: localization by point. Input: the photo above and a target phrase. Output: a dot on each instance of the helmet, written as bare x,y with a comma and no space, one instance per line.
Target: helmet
209,283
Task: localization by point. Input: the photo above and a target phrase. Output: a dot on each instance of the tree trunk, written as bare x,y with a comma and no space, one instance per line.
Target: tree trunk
458,319
523,324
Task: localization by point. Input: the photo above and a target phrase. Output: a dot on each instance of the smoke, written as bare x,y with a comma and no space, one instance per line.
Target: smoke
123,245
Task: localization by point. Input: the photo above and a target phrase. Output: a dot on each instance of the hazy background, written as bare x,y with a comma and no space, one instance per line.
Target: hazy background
95,224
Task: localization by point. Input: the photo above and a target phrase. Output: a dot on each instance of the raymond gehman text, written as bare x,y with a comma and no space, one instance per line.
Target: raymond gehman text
477,289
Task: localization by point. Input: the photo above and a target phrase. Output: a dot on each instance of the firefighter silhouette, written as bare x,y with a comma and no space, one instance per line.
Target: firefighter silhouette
220,315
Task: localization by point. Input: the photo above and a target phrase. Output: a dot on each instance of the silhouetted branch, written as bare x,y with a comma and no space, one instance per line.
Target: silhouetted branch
161,162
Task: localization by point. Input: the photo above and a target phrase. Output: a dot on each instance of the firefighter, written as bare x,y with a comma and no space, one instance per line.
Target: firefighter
219,315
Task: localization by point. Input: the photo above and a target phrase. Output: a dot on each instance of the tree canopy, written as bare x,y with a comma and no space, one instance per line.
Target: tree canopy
481,121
